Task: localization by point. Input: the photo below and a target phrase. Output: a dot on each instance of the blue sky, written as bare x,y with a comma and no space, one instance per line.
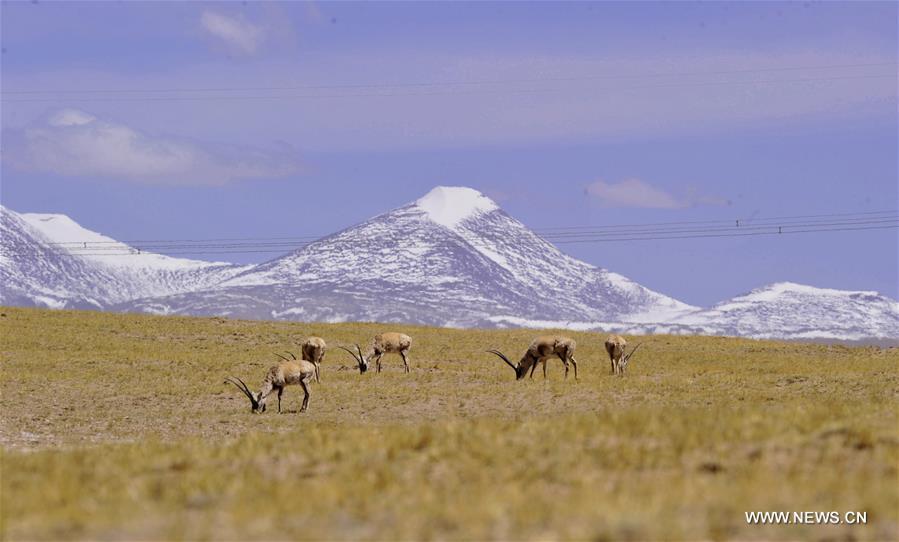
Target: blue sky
209,120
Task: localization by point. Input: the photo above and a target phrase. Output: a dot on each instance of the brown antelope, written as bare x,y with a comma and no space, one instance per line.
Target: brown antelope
383,343
287,373
541,349
616,346
313,349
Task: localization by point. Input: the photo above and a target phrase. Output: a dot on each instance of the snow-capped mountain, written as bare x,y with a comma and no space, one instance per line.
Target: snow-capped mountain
33,272
796,311
782,310
50,260
452,258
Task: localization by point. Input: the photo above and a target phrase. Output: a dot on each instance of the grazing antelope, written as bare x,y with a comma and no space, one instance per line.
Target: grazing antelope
541,349
360,360
313,349
383,343
615,346
288,372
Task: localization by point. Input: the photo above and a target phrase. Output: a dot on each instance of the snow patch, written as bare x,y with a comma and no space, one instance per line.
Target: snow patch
51,303
772,291
450,205
662,313
66,234
446,259
296,311
515,321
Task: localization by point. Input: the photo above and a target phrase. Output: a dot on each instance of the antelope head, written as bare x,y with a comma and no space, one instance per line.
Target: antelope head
520,370
361,360
627,357
241,385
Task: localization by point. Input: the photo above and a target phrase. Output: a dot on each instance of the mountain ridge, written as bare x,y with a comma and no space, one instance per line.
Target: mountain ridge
450,258
453,246
39,245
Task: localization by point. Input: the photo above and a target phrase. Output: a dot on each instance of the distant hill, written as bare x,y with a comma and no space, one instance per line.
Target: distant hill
451,258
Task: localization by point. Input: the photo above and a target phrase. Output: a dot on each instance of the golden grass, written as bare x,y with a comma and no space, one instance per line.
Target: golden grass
120,427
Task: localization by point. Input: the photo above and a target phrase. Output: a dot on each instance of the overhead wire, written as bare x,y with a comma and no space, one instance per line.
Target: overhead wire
580,241
504,92
417,84
726,220
558,233
545,231
779,231
831,222
657,235
743,227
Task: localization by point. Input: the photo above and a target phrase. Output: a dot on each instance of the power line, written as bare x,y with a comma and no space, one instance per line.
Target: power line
546,233
453,83
779,231
442,93
744,227
147,241
727,220
581,237
699,234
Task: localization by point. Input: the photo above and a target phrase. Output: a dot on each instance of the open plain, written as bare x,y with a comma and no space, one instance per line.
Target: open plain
120,427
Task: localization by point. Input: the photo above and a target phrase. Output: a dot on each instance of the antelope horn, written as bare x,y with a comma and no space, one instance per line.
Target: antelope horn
282,357
358,360
253,400
627,357
242,387
504,358
293,356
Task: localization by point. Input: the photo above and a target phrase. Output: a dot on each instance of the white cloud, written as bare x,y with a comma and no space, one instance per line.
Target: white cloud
76,143
637,193
624,102
70,117
238,33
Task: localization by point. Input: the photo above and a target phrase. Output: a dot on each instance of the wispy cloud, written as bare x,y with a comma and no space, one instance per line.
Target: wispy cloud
237,33
638,193
581,99
75,143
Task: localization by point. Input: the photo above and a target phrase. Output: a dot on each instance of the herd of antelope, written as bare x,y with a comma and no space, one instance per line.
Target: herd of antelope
292,371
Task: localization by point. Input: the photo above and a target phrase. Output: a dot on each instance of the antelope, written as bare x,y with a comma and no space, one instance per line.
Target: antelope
288,372
616,346
383,343
541,349
313,349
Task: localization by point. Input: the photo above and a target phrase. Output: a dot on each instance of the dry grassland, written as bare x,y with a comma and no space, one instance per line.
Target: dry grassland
120,427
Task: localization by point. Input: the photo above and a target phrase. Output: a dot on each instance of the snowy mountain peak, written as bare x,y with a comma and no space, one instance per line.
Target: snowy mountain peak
780,288
51,260
67,235
799,311
62,229
451,205
450,258
796,294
